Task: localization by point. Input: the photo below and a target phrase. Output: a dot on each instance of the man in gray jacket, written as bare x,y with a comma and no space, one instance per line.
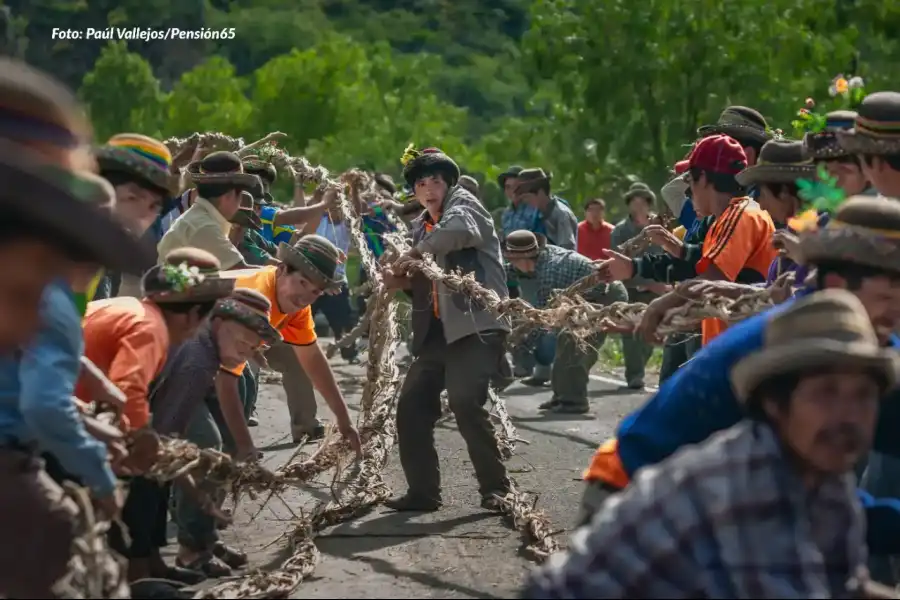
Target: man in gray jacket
559,221
457,346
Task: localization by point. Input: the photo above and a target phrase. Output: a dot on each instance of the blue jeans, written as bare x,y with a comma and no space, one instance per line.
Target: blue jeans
882,480
545,349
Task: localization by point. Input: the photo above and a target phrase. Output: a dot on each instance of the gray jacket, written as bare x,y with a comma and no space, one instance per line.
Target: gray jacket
561,224
464,238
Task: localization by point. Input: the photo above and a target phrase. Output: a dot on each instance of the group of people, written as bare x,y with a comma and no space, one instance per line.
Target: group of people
142,293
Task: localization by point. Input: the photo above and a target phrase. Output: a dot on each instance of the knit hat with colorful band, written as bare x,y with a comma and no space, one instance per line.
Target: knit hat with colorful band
824,144
780,161
430,161
252,310
142,157
876,129
316,258
186,275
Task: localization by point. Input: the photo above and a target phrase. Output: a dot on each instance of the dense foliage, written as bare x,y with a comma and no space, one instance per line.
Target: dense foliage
600,92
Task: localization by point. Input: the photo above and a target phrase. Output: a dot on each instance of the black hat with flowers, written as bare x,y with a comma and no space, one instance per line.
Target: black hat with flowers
820,131
430,161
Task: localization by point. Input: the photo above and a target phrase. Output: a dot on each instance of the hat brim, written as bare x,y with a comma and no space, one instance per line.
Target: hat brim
854,245
49,198
291,257
122,160
247,218
210,290
255,322
855,142
521,254
631,194
735,131
774,173
824,146
241,181
800,356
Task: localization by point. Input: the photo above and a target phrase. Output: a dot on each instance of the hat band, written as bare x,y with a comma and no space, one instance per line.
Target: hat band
886,233
16,125
239,171
873,127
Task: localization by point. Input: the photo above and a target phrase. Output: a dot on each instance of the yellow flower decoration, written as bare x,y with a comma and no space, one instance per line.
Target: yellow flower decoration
806,221
409,154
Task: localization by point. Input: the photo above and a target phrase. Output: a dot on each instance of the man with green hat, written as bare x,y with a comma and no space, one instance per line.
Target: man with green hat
560,223
639,200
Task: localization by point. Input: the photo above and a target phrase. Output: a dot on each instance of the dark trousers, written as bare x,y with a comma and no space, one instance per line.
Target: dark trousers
465,369
678,350
37,522
339,314
145,515
635,350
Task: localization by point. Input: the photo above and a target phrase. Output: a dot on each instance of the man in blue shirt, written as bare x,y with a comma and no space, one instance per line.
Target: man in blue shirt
698,400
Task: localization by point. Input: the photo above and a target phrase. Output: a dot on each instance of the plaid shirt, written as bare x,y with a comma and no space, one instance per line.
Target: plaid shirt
726,519
519,217
557,269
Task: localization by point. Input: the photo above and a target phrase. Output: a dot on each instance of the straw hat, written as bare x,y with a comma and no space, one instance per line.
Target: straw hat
316,258
825,330
252,310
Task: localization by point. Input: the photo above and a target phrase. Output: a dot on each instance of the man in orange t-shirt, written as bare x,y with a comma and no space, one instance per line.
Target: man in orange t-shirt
307,271
738,247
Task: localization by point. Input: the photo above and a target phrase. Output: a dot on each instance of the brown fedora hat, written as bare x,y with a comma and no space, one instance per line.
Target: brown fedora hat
245,216
780,161
186,275
876,129
69,206
226,168
315,257
739,122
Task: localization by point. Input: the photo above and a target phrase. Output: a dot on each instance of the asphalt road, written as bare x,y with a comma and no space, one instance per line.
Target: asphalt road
460,551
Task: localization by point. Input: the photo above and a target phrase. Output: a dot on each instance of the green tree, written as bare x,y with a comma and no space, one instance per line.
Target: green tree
122,93
210,97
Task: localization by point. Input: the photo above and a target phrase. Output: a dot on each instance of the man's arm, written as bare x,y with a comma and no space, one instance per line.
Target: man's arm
315,365
300,216
229,395
47,375
457,229
133,369
882,523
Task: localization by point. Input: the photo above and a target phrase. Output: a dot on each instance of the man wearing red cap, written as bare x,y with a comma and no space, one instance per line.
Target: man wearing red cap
738,247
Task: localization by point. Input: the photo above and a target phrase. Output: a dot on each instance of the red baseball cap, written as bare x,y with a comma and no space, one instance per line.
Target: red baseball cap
717,153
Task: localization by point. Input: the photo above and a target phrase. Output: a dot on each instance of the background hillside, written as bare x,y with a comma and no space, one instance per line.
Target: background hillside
600,92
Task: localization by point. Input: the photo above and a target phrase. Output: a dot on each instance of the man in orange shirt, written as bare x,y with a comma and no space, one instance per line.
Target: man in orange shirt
307,271
738,247
128,339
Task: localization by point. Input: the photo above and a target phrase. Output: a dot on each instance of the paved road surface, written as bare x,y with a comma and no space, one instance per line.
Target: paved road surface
458,552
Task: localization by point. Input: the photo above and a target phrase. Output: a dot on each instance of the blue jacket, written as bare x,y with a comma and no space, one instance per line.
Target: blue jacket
698,401
36,389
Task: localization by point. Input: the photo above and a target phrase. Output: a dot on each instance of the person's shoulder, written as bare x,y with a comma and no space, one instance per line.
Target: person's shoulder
57,309
608,226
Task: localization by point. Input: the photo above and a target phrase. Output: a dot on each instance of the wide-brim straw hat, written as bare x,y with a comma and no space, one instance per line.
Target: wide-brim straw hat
65,205
876,129
226,168
828,329
142,157
740,123
780,161
252,310
245,215
316,258
186,275
864,231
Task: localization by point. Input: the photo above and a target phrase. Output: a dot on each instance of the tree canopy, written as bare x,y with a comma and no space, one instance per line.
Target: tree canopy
599,92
